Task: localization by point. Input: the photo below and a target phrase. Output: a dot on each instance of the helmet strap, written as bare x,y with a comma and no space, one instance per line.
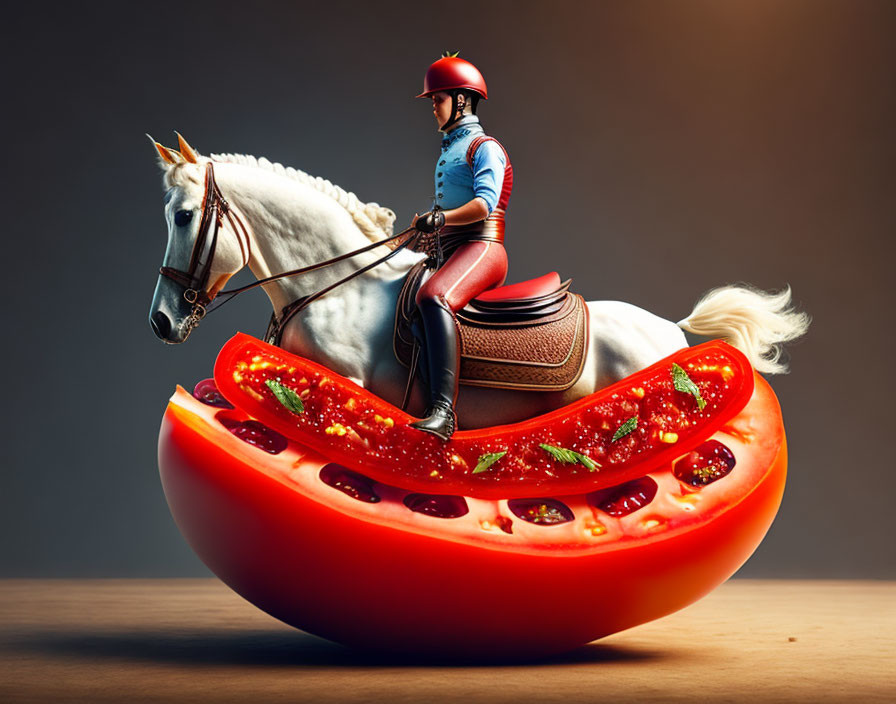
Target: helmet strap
457,112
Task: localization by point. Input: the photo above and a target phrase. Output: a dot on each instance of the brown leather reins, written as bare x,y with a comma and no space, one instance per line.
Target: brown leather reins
195,279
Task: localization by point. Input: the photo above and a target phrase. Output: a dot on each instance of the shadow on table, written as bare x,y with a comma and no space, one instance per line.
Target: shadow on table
274,649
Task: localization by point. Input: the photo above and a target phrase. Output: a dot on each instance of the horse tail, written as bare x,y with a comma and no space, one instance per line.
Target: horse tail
754,321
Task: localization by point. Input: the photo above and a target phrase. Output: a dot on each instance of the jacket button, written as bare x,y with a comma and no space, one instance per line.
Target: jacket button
441,196
439,174
442,162
439,183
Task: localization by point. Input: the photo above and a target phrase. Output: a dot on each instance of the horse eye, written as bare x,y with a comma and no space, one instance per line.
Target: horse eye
182,217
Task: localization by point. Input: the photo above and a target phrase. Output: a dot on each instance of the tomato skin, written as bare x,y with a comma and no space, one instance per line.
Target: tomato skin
346,422
370,585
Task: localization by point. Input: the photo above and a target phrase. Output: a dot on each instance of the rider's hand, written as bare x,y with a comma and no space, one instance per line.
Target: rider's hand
429,222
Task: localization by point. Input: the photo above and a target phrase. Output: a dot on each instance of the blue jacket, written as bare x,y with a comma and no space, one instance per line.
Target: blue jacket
455,182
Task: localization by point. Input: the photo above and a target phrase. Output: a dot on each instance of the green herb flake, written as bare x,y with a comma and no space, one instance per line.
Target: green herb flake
487,460
569,456
626,428
288,398
682,382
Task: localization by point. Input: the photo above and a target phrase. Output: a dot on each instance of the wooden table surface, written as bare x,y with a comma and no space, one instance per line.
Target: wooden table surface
196,641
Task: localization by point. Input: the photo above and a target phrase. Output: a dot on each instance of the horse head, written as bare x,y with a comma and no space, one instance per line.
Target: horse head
207,243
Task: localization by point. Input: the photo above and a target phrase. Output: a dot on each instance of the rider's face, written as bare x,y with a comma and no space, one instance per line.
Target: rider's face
441,107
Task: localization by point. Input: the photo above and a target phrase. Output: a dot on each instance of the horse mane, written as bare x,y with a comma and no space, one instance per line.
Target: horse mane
374,220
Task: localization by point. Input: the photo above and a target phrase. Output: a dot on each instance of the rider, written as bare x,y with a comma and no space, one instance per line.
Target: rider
473,179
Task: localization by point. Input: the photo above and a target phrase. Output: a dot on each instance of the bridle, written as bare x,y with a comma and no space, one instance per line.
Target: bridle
195,279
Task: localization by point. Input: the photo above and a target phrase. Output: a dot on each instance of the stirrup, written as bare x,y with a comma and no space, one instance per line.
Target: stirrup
440,421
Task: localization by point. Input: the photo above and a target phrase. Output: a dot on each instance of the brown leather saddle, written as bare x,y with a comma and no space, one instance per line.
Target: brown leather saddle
531,335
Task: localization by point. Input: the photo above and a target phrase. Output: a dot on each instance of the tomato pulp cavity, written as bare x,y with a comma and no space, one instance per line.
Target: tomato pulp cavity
369,560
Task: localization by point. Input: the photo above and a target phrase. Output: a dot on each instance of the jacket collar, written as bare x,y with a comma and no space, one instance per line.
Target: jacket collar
463,127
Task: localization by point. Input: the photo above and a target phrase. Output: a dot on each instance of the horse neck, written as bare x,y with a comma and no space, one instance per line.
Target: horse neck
292,225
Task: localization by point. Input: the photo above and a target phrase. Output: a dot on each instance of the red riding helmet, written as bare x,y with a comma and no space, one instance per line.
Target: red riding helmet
451,73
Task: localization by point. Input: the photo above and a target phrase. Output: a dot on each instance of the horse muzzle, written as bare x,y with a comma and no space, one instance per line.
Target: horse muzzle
175,312
170,333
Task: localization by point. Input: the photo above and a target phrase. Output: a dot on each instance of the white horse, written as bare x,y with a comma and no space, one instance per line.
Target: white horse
293,220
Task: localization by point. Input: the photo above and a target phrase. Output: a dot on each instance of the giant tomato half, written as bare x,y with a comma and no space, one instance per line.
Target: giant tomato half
368,563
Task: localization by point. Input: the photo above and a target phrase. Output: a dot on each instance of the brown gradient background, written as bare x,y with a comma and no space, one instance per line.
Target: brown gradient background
660,149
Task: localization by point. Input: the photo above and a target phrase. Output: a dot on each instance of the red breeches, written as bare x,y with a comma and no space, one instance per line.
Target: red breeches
473,268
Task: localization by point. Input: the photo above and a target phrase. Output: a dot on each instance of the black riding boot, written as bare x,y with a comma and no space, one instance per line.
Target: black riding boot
442,358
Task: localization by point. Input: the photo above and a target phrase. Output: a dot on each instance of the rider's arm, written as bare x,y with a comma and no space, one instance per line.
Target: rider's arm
489,162
472,211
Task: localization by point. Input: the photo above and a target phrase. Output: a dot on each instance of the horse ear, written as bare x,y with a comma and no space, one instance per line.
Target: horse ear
167,156
186,150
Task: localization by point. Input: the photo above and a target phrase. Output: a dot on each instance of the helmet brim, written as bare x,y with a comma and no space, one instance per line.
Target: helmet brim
478,92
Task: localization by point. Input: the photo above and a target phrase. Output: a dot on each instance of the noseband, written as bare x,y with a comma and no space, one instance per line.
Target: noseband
195,279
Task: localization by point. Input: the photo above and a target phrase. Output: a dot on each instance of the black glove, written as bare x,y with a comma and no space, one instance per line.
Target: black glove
430,222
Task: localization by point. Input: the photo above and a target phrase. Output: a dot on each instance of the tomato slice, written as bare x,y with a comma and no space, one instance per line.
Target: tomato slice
602,440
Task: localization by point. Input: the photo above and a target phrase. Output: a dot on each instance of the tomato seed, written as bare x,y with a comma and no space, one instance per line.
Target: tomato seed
355,485
623,499
207,392
255,433
504,524
437,505
706,464
542,512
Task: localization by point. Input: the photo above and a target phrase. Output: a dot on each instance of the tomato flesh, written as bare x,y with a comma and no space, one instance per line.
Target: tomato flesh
617,432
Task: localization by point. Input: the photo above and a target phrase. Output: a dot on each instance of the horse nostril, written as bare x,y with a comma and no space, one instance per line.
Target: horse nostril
161,325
